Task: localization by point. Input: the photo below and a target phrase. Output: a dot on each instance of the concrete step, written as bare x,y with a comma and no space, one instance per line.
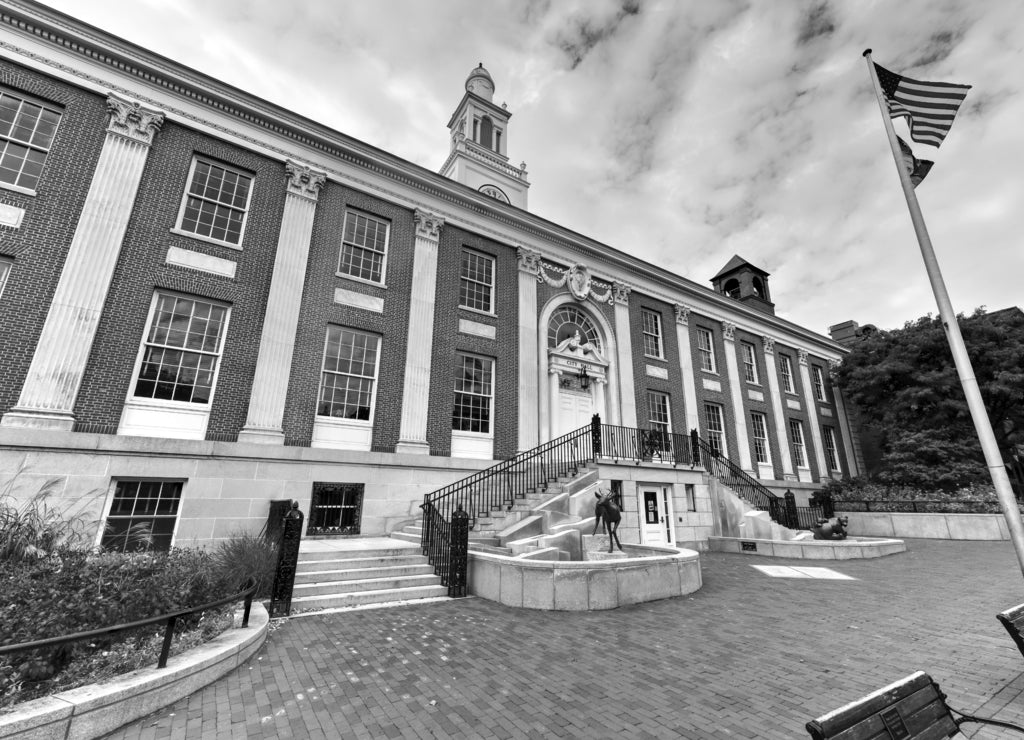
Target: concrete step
410,557
362,598
493,549
397,551
367,584
407,536
358,574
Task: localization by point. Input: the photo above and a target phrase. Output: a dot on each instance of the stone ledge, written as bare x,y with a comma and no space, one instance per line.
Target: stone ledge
848,549
95,710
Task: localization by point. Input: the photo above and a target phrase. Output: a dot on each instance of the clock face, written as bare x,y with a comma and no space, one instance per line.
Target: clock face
494,193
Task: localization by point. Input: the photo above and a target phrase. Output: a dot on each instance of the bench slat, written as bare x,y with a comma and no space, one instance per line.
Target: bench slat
1013,620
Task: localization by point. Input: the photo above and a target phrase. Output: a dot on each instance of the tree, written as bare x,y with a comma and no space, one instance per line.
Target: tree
905,388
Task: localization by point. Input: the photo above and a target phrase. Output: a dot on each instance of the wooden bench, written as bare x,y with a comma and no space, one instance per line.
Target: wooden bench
1013,620
913,707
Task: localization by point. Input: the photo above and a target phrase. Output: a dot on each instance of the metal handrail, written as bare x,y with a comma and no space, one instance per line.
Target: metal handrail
171,618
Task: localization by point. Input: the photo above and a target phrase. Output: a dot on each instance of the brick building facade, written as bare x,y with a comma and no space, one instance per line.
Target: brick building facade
209,303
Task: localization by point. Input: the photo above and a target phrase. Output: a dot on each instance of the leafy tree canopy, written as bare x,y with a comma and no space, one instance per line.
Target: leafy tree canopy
905,388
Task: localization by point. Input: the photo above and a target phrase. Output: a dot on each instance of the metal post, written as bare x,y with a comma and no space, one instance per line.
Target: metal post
595,435
166,649
792,517
694,448
458,560
287,560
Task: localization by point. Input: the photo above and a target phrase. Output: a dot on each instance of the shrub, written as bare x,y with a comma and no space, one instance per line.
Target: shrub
35,528
246,555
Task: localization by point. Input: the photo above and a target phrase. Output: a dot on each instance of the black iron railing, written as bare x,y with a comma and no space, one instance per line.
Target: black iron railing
171,619
645,445
496,489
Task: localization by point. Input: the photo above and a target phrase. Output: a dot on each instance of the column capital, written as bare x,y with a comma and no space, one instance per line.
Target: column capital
834,364
769,344
802,356
529,261
620,293
304,181
133,121
682,314
428,225
729,331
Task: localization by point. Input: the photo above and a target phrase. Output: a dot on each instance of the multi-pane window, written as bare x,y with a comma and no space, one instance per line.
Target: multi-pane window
658,412
786,369
142,515
364,246
831,451
216,202
476,281
716,427
759,426
796,438
474,388
5,271
349,375
27,129
749,362
705,350
182,349
691,496
819,383
652,333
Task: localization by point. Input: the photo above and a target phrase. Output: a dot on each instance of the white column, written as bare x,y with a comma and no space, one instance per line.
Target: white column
553,380
844,427
624,345
529,394
412,436
736,392
54,378
598,389
812,415
686,364
265,418
781,433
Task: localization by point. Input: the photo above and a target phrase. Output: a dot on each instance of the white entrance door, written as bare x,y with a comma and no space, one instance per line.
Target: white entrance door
656,510
575,410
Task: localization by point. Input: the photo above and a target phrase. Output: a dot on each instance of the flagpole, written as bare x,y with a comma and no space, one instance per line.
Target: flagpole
982,424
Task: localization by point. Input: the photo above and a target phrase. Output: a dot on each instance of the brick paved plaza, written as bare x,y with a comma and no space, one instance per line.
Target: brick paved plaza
748,656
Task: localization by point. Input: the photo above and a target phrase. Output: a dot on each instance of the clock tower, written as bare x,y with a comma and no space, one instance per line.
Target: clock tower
479,141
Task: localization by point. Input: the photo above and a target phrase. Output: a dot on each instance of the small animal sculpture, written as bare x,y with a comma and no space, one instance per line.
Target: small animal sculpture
834,529
607,512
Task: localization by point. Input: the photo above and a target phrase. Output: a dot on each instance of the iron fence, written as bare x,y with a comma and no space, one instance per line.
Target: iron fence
645,445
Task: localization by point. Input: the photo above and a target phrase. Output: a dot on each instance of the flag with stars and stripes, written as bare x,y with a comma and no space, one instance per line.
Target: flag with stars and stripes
917,168
930,107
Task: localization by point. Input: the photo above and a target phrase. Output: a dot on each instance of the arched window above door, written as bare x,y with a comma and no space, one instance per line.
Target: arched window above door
568,320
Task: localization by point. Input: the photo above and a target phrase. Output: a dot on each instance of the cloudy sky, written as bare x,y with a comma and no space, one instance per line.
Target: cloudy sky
681,132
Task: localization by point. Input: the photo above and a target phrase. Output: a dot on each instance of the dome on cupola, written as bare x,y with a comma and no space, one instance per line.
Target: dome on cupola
480,83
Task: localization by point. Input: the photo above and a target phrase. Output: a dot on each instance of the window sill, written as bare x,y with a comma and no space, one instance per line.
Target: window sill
361,281
18,189
206,239
709,372
478,312
342,422
655,357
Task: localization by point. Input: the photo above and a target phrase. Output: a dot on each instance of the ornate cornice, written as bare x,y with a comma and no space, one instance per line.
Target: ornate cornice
132,121
729,330
428,225
304,181
682,314
768,343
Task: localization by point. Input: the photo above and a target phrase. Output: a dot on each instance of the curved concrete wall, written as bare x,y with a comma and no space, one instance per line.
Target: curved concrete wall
647,574
928,526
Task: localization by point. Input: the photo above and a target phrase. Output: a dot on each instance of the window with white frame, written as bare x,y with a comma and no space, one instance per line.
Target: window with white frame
749,362
349,377
27,128
759,427
474,392
182,349
5,271
819,382
658,412
476,281
216,202
796,438
831,450
716,427
691,496
364,247
652,334
786,370
706,350
142,515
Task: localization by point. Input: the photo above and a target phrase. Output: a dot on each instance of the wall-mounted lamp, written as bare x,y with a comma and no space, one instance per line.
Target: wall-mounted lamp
584,378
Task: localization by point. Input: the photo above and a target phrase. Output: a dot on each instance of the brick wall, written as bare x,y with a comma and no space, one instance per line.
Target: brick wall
751,404
40,246
673,385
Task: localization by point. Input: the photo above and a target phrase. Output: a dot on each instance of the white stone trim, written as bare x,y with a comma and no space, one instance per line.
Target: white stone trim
342,434
654,371
355,299
202,262
711,385
476,329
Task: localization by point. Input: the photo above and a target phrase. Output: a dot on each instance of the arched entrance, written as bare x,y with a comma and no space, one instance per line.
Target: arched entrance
574,352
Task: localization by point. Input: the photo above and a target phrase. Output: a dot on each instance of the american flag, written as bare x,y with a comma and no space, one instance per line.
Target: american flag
929,106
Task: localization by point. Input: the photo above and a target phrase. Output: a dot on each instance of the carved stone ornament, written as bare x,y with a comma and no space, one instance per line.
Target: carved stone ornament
621,291
729,330
682,314
303,180
529,260
133,121
578,280
769,344
802,356
428,225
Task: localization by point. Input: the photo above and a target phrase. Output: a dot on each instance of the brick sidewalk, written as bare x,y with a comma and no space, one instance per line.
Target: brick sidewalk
747,656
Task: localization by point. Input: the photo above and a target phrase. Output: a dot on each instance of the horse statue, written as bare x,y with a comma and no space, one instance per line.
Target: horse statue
831,530
607,512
